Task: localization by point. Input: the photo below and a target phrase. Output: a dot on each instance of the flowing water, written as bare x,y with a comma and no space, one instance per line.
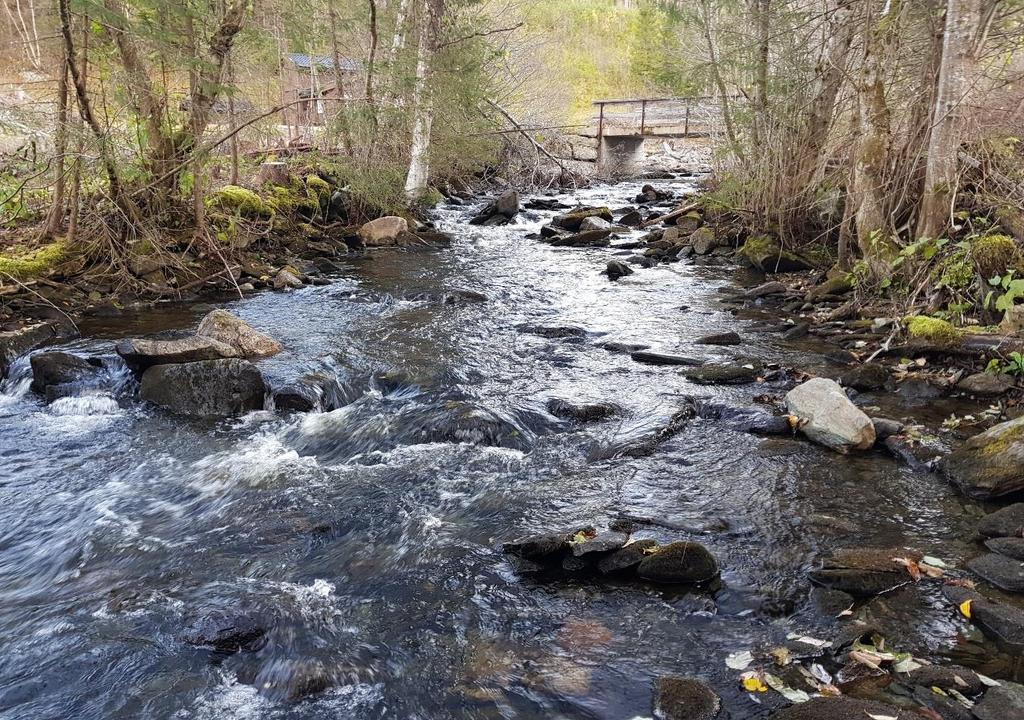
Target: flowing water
369,545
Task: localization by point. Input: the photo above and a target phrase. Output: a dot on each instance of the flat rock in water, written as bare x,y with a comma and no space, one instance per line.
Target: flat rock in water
919,453
986,384
1009,546
726,338
582,412
626,558
139,354
679,698
885,427
584,238
997,619
602,542
247,341
622,347
205,389
797,331
989,464
863,572
954,677
772,287
573,219
1005,702
679,562
1002,571
650,357
1005,522
553,331
831,602
544,547
828,417
841,708
727,374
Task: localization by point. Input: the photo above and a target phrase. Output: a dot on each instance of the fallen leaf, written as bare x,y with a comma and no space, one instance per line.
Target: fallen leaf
751,683
791,694
965,608
986,680
739,660
781,655
934,562
807,640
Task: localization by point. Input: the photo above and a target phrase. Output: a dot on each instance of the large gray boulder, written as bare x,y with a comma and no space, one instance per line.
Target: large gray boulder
572,220
209,388
383,231
990,464
247,341
53,369
140,354
828,417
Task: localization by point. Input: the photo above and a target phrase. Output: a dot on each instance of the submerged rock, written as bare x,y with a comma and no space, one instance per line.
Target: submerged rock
725,338
679,562
650,357
139,354
679,698
602,542
841,708
499,211
738,373
247,341
583,412
863,572
989,464
828,417
553,331
207,388
1003,572
53,369
225,632
947,677
584,238
1005,522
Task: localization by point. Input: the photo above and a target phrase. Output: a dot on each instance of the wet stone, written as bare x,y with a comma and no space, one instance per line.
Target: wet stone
867,377
956,677
678,698
205,389
139,354
602,542
726,338
831,602
841,708
51,369
543,546
622,347
626,558
1012,547
649,357
997,619
1003,572
553,332
679,562
885,427
986,384
988,464
726,374
616,269
225,632
1005,522
863,572
581,412
1001,703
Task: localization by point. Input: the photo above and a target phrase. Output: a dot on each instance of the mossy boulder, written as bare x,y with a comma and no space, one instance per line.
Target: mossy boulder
990,464
318,188
679,562
766,254
32,263
932,330
572,220
836,285
237,200
993,255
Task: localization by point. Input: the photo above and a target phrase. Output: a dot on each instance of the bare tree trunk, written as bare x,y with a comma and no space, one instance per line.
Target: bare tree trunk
84,107
872,151
963,18
762,16
232,121
716,75
370,69
419,168
55,219
339,82
74,203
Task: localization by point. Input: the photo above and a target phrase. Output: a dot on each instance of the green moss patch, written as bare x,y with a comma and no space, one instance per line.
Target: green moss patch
241,201
995,254
932,330
32,263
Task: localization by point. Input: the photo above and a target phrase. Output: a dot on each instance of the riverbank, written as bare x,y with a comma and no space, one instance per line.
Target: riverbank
366,548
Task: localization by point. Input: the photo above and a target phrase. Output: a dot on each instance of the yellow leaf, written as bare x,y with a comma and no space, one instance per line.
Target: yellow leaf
965,608
752,684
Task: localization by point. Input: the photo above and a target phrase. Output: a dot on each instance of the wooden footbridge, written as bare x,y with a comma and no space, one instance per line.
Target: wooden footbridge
621,126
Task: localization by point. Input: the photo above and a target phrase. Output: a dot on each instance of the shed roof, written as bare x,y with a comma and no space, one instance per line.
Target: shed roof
323,62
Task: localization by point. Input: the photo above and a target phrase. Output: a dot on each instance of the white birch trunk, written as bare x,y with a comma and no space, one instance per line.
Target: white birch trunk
419,163
963,18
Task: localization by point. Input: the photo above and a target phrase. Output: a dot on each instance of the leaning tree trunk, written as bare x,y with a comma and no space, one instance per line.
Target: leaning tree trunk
956,71
419,168
55,219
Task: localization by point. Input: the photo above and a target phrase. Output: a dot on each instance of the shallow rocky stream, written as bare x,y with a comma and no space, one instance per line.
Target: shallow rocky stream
374,560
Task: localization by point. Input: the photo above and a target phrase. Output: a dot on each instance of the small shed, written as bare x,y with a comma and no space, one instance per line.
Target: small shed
309,82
